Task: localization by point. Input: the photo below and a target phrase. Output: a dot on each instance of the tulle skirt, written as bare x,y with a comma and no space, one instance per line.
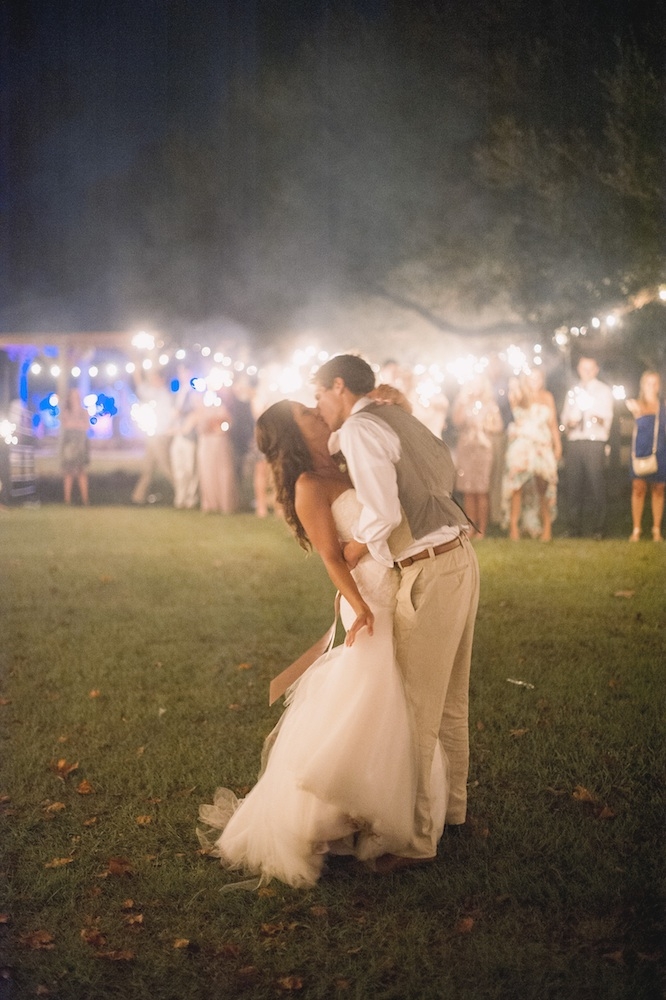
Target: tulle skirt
339,772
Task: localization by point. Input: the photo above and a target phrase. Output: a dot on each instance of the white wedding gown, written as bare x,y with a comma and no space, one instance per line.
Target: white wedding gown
338,770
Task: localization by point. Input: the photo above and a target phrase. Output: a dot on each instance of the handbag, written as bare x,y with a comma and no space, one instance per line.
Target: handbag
645,465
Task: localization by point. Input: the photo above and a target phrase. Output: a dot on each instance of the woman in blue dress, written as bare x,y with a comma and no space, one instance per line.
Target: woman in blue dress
647,409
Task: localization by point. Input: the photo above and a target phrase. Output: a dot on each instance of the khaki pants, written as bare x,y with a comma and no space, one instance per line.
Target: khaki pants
434,627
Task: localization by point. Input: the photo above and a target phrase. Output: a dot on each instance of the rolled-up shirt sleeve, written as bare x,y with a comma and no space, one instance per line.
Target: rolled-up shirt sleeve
371,450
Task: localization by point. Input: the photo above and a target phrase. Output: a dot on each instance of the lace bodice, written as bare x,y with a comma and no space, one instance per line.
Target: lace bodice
377,583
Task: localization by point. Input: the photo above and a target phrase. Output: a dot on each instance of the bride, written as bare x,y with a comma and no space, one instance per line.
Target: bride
338,771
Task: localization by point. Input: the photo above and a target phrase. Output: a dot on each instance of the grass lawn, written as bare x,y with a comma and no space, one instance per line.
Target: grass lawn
137,646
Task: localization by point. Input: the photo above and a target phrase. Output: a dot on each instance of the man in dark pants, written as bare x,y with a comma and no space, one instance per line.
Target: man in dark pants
587,416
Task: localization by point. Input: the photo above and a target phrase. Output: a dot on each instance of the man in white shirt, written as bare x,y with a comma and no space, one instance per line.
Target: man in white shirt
404,476
587,416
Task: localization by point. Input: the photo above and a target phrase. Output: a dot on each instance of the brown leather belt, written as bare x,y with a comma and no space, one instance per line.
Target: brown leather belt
427,553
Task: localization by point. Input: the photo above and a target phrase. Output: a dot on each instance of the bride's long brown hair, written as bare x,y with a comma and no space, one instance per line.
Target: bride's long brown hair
279,438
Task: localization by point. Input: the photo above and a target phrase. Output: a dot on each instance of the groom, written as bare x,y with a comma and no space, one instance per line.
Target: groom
403,476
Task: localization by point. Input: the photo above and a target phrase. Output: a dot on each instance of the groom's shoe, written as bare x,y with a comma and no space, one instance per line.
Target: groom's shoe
386,864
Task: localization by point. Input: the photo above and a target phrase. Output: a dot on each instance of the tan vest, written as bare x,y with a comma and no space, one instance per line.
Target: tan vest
425,474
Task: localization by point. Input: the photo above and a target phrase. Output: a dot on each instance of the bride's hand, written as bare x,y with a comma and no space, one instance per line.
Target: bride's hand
366,619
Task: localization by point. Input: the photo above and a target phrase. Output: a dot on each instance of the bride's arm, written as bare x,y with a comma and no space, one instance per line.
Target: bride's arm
314,512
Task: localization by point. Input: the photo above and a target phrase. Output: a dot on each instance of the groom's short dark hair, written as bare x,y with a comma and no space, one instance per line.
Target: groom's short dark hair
356,373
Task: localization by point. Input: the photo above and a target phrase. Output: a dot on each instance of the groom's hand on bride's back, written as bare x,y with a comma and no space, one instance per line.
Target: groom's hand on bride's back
353,552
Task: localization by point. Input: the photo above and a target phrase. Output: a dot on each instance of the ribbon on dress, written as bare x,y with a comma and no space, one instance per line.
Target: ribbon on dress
296,669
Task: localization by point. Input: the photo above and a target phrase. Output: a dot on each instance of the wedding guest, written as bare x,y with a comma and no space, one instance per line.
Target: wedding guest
215,456
534,448
649,436
74,446
587,416
476,416
152,390
184,444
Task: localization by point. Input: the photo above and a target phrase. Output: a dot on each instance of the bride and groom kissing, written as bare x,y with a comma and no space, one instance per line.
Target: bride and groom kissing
370,757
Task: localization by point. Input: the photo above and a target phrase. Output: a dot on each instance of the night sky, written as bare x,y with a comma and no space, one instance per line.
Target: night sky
87,89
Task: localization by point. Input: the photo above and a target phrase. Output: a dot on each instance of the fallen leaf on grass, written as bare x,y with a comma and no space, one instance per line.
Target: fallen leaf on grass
85,788
270,930
581,794
229,951
235,707
342,984
117,866
606,813
127,904
58,862
624,593
95,693
37,940
615,956
464,925
5,701
244,666
144,820
480,726
319,911
116,956
42,991
265,892
55,807
133,919
4,918
93,936
90,821
289,983
248,972
518,732
181,943
62,768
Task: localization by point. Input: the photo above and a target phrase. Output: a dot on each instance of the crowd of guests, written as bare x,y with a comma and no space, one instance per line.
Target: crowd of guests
510,446
509,442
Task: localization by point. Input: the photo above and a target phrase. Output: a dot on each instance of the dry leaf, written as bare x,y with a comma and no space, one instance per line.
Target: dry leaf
161,712
518,732
90,821
131,919
583,795
85,788
319,911
127,904
5,701
119,866
58,862
140,751
229,951
247,972
235,707
606,813
42,991
244,666
37,940
144,820
94,693
55,807
181,943
480,726
265,891
94,937
62,768
116,956
290,983
464,925
624,593
4,918
342,984
270,930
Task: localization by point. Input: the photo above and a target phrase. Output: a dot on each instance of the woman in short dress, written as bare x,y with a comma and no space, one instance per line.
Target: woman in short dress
645,410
